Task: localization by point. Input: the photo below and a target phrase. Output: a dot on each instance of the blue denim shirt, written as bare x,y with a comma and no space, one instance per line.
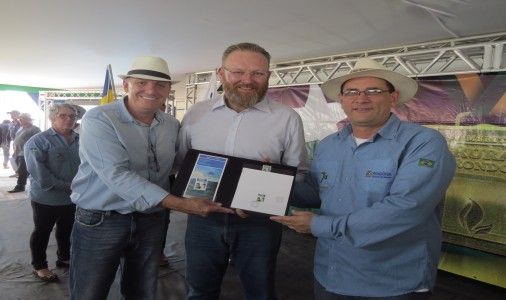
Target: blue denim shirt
52,163
379,227
125,164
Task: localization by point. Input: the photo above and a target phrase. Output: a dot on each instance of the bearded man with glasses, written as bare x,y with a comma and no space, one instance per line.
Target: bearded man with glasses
242,122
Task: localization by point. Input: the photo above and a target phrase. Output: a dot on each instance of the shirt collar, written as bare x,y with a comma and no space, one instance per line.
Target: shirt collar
74,135
124,115
388,131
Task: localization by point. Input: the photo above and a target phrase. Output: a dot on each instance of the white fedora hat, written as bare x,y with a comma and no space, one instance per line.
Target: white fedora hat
149,67
367,67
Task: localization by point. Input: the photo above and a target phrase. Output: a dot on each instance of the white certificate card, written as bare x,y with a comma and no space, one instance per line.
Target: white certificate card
264,192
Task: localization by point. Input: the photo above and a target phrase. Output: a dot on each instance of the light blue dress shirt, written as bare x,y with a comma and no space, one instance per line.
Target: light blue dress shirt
379,229
268,131
52,163
125,164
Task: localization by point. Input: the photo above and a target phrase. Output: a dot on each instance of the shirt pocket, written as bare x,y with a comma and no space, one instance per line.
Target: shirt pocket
376,175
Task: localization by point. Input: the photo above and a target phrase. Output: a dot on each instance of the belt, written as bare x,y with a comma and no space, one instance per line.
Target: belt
134,213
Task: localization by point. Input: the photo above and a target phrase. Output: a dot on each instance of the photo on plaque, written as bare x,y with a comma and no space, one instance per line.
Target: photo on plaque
205,177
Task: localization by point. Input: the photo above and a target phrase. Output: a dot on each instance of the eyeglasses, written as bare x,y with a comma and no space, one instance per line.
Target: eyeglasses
367,92
155,159
241,74
65,116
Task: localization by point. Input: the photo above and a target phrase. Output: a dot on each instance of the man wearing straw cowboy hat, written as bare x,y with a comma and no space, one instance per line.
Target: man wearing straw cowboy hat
121,188
379,182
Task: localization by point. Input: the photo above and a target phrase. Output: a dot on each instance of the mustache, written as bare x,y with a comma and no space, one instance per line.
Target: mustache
247,85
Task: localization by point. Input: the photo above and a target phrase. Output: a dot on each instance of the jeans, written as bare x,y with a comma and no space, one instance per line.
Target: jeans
320,293
7,153
44,219
22,172
165,228
102,241
252,243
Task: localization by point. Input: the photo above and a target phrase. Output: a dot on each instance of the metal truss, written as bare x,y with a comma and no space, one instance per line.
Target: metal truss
88,97
478,54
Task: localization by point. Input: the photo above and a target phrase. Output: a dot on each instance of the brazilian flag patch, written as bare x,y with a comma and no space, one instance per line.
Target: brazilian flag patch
423,162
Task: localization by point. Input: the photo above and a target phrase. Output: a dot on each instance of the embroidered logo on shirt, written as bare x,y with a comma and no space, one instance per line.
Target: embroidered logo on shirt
423,162
59,156
378,174
323,176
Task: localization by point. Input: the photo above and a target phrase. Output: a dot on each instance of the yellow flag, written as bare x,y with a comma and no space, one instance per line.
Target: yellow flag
108,94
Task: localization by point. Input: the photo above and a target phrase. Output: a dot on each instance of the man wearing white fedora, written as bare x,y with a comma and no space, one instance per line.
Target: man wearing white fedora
121,188
379,181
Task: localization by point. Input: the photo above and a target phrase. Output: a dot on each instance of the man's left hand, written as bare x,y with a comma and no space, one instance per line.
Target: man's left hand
300,221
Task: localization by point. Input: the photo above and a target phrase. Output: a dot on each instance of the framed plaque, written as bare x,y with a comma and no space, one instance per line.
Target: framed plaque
235,182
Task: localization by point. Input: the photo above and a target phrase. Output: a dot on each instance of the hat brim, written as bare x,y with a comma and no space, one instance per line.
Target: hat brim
406,86
141,76
80,111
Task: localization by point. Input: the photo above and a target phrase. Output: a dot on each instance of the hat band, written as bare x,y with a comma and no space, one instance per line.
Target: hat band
149,73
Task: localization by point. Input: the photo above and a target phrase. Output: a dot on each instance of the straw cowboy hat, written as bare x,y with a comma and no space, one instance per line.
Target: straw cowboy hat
367,67
149,67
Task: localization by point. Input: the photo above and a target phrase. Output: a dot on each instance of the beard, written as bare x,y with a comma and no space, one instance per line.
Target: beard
246,100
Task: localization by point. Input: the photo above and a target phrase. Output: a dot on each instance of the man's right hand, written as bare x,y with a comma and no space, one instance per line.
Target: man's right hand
194,205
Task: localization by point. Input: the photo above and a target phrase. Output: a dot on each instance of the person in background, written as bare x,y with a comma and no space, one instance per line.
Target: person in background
380,182
121,189
5,141
80,113
26,131
242,122
52,159
14,126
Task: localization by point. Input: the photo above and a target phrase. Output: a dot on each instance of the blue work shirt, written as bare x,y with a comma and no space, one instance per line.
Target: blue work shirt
52,163
125,164
379,228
